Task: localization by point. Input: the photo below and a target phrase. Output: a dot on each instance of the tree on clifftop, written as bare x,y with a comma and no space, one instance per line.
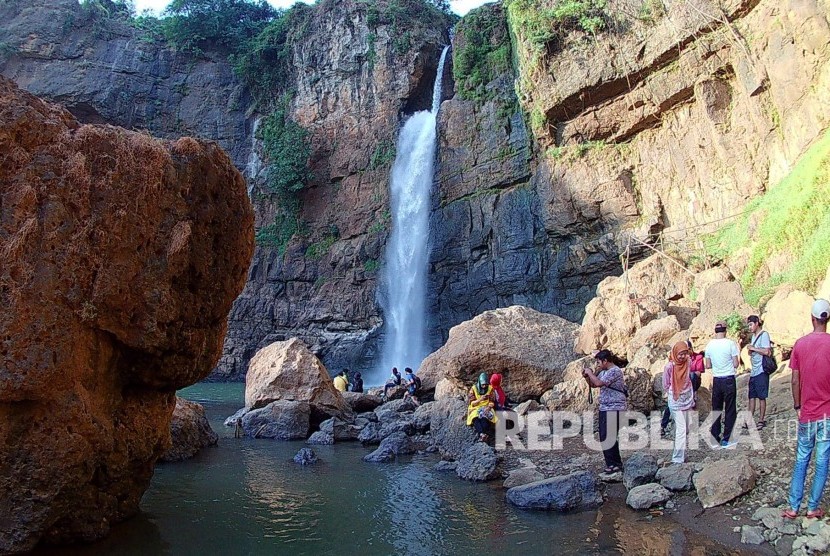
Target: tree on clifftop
198,24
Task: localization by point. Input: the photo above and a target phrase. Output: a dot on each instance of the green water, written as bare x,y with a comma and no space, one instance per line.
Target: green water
247,497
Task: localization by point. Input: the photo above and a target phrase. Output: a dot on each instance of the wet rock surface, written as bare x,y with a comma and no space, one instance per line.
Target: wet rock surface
478,463
574,492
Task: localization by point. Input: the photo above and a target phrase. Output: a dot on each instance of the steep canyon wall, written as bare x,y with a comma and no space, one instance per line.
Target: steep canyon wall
656,124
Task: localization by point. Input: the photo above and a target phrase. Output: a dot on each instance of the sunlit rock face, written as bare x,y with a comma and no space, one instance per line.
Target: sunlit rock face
120,256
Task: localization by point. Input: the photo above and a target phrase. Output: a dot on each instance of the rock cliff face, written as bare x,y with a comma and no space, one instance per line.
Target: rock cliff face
120,256
670,119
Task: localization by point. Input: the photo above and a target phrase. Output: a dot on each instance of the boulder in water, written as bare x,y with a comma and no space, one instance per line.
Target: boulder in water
575,492
478,462
189,431
120,258
320,438
289,371
677,476
306,456
280,420
723,480
523,476
448,427
394,445
231,421
530,349
645,496
444,466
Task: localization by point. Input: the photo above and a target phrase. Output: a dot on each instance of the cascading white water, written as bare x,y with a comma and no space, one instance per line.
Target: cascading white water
407,253
254,164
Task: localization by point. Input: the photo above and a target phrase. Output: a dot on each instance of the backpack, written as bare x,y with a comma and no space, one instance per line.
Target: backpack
417,380
768,362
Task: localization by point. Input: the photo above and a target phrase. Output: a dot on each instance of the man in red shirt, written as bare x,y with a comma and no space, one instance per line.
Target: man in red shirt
810,363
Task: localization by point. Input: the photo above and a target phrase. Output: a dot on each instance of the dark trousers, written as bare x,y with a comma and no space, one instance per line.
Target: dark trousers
724,398
609,425
482,426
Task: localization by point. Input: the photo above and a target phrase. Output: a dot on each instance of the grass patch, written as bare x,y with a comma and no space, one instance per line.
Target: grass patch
793,218
383,155
372,265
318,249
278,234
542,26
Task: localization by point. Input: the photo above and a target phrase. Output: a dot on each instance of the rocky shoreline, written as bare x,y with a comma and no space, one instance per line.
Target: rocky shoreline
739,492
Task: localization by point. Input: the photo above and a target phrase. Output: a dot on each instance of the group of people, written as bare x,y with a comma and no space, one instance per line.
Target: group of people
681,380
810,384
484,399
410,380
342,383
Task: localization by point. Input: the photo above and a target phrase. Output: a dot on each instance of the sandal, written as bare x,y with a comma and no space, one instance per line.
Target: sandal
611,469
789,514
815,514
761,425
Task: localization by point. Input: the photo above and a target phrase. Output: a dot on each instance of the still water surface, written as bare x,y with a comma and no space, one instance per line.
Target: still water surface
247,497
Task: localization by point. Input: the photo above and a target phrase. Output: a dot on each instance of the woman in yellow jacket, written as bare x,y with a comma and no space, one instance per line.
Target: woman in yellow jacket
480,412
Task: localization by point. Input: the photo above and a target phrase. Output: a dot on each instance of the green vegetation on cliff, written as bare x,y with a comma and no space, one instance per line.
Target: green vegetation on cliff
790,222
196,25
481,54
286,149
542,25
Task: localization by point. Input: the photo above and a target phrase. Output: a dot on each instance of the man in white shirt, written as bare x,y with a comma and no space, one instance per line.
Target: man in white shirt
722,357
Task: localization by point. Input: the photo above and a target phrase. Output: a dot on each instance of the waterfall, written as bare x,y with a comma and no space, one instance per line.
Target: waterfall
407,253
254,163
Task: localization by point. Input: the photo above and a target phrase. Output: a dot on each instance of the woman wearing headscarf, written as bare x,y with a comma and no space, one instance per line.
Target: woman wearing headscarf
480,413
499,397
677,384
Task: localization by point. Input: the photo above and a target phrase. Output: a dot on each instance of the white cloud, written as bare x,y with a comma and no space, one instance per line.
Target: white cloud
460,7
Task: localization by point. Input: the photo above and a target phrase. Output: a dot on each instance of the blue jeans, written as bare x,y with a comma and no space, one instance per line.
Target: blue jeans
810,435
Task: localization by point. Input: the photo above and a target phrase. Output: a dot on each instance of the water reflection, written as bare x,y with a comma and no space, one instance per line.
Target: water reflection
247,497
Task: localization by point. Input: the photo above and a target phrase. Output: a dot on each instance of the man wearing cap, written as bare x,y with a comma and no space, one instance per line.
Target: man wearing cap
721,356
810,363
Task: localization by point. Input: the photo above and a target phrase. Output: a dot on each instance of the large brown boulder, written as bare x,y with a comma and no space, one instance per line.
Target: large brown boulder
656,333
530,349
626,303
710,277
289,371
786,316
189,431
722,299
572,393
120,256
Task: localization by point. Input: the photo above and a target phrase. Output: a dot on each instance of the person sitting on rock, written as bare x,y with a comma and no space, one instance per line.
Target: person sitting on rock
480,411
499,397
413,384
341,381
391,382
677,383
357,383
